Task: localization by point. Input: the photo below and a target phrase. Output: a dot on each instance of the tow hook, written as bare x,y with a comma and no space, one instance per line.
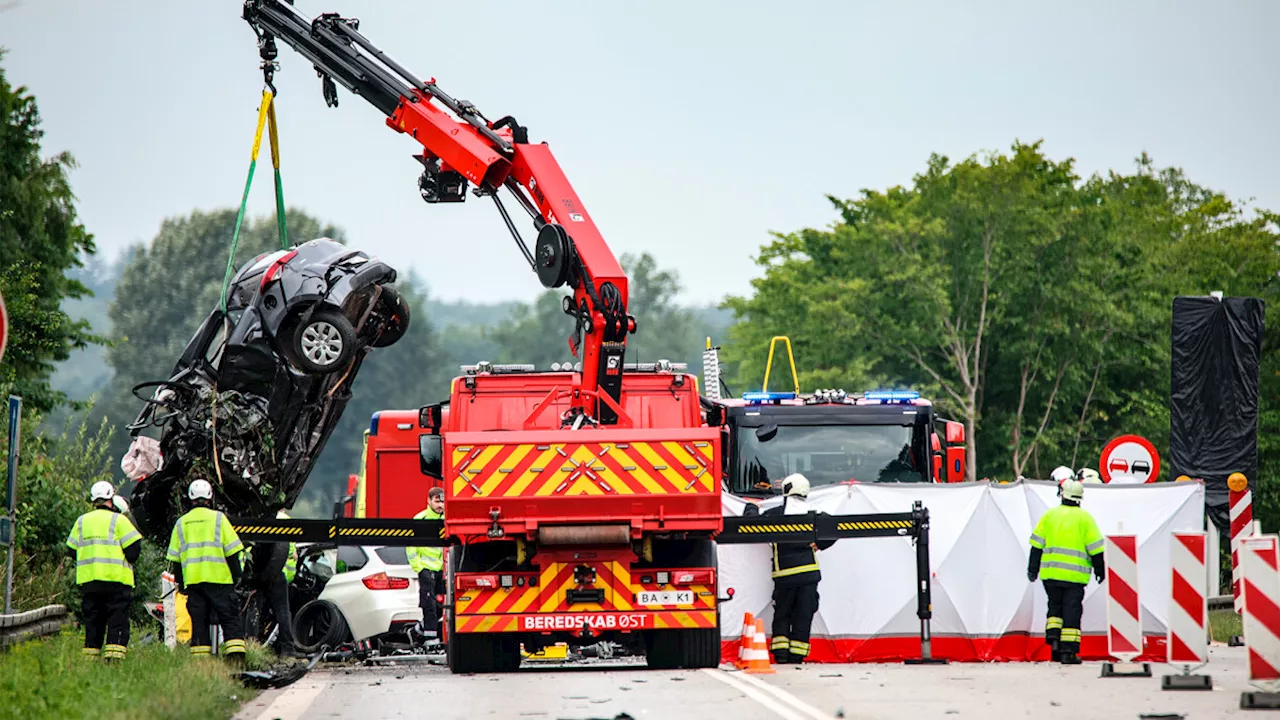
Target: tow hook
729,592
495,530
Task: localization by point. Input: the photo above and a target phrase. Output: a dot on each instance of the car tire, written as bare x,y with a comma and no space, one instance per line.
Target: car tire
392,305
323,342
317,624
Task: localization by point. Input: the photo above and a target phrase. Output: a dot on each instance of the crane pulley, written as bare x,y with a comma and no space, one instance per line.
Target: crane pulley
461,147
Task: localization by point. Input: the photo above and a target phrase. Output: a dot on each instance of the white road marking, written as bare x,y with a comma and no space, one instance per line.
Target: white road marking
294,701
793,709
787,697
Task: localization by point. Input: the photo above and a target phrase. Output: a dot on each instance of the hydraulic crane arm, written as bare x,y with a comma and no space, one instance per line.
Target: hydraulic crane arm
465,147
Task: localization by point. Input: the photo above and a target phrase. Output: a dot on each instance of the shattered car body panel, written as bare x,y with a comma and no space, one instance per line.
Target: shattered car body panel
261,386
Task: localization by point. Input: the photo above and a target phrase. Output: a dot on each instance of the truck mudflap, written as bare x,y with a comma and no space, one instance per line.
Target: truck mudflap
594,622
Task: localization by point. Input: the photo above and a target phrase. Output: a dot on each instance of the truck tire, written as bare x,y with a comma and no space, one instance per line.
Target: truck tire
700,648
662,649
483,652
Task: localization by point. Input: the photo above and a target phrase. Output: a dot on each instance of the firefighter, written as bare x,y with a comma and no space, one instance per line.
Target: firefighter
278,565
1089,476
1065,545
1061,474
204,552
795,579
105,546
428,562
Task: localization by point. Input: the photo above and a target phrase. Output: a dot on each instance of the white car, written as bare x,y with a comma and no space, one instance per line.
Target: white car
367,593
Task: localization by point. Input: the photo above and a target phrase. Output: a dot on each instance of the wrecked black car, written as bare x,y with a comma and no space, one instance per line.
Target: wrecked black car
259,388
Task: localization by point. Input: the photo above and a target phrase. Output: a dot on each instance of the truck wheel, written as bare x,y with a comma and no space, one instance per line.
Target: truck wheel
700,648
324,342
483,652
662,649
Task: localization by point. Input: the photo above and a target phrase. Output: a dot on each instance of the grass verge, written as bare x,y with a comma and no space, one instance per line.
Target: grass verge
48,678
1223,624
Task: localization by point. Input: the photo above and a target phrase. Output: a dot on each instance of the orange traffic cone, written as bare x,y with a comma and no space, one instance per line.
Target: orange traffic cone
744,642
759,661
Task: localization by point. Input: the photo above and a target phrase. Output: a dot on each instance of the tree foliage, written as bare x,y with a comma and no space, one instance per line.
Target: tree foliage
41,238
1030,303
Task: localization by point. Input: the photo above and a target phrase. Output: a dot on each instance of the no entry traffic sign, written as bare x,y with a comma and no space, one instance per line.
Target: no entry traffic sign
1130,459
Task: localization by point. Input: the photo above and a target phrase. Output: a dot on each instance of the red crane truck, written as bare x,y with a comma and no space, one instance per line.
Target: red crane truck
581,504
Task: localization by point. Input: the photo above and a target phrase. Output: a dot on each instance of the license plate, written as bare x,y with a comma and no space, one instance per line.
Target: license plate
671,597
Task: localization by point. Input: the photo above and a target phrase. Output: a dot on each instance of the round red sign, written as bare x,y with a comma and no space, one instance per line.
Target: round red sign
1129,459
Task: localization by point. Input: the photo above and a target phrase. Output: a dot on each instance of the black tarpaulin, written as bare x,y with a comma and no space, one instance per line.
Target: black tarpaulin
1213,409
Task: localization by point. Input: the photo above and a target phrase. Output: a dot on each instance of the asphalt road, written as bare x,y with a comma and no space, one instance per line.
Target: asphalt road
607,690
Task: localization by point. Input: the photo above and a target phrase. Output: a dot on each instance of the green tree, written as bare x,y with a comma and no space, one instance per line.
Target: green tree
41,239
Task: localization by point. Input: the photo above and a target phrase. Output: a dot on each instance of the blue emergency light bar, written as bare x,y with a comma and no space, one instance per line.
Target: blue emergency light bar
756,398
892,395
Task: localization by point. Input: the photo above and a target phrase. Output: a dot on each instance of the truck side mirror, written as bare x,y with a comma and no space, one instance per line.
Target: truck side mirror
766,433
955,433
429,418
955,464
431,455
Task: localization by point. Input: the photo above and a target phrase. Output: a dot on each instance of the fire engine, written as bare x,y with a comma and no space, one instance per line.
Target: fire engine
830,435
582,503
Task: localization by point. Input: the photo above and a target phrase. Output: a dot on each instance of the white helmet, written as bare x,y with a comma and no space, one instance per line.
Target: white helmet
1073,490
1060,473
795,484
121,504
1088,476
200,490
102,490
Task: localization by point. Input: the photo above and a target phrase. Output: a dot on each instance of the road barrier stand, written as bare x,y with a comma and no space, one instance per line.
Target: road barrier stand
1260,588
1241,511
1187,640
1124,609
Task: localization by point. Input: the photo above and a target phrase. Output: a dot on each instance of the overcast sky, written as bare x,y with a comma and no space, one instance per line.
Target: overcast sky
689,129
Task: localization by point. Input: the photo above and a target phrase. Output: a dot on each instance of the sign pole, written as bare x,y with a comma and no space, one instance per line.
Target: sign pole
15,434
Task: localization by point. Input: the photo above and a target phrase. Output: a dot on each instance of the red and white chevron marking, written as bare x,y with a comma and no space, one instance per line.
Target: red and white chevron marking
1124,612
1241,504
1260,587
1187,639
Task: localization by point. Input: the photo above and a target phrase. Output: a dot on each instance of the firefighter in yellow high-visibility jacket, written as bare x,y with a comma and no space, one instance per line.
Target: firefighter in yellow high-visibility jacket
105,546
1065,545
204,555
428,563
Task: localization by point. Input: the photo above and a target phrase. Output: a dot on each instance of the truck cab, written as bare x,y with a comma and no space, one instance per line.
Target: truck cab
878,436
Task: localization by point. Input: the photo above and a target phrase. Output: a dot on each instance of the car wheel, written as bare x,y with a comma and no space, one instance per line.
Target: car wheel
393,307
323,342
317,624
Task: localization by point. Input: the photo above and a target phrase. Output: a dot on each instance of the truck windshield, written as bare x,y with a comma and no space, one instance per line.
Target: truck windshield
826,454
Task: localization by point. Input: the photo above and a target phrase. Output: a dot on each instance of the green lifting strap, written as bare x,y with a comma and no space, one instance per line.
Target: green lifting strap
266,116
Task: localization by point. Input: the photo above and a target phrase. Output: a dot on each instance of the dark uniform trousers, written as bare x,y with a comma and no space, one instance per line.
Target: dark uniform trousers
793,609
278,596
1066,604
428,584
105,613
214,604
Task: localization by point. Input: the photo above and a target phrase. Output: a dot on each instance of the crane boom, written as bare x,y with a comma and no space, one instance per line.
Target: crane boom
460,146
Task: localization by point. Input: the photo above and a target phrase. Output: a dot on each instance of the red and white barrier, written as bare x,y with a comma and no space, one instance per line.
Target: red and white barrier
1260,588
1124,614
1241,509
1187,640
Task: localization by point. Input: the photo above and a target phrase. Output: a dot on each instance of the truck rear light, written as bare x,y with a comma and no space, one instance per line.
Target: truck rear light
270,274
664,577
508,581
381,581
693,577
468,582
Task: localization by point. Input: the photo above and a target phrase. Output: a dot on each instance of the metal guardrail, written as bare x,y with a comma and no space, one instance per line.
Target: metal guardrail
1222,602
22,626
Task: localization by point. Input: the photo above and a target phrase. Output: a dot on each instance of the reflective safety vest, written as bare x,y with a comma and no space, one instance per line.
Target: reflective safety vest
426,558
202,541
291,565
99,538
1069,537
797,562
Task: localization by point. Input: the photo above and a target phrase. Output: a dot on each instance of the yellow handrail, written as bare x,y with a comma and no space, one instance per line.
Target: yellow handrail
795,379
